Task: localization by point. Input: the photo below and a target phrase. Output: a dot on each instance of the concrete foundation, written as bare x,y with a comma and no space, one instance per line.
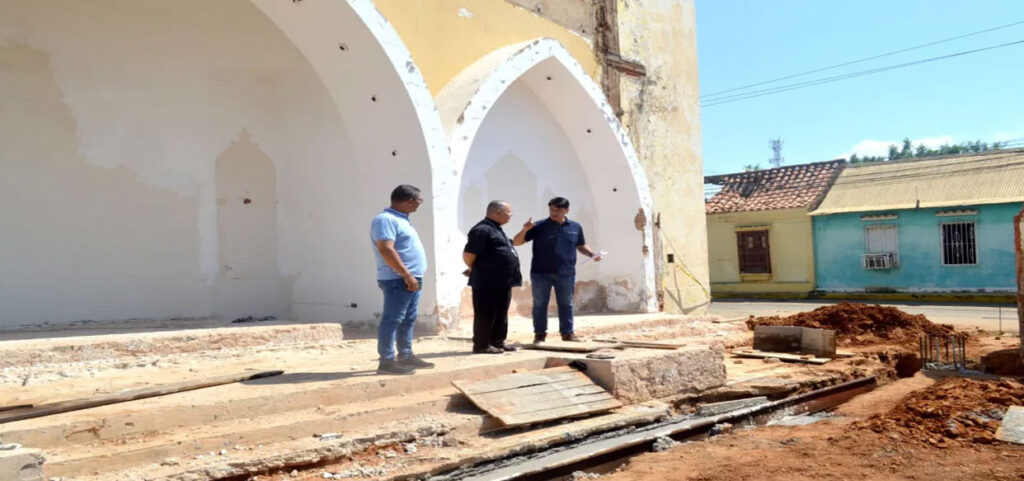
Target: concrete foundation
638,375
21,465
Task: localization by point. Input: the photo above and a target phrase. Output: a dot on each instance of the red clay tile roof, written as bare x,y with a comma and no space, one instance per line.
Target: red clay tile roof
786,187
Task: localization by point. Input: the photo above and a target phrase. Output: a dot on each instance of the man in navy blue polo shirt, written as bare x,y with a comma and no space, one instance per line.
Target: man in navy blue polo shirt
401,263
555,243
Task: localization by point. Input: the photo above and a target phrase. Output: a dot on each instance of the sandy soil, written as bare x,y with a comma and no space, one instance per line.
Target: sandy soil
841,448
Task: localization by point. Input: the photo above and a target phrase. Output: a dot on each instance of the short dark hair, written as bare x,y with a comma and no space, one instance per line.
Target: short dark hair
560,202
404,192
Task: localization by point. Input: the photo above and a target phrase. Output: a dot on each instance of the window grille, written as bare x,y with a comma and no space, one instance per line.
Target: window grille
959,246
754,252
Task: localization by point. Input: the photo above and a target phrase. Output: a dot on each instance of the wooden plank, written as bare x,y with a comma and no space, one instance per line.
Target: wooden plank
16,406
576,400
727,321
128,395
548,399
782,356
538,396
538,389
628,67
567,347
569,411
645,344
520,380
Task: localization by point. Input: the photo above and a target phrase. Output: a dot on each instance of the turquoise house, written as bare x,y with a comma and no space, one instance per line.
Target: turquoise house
942,225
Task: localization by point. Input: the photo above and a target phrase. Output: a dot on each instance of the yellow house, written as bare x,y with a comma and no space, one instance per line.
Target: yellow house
759,231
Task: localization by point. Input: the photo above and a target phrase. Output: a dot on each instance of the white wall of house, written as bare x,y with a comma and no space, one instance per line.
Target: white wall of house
195,159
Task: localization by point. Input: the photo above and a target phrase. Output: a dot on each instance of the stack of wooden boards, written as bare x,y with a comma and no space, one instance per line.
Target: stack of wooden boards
539,396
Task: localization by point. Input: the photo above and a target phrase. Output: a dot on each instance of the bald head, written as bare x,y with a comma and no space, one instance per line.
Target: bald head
499,211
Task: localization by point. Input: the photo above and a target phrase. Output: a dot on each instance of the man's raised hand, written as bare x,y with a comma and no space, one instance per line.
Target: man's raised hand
528,224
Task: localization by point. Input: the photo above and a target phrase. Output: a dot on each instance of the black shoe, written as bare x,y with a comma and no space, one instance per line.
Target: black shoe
414,362
507,348
539,338
487,350
570,337
390,366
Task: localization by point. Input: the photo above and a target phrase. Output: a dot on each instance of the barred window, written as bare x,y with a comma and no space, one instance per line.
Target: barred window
754,252
958,244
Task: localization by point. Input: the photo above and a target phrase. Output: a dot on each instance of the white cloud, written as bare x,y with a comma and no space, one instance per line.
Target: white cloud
881,147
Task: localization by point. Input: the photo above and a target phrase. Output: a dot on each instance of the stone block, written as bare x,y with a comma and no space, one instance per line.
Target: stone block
805,340
638,375
21,465
819,342
777,338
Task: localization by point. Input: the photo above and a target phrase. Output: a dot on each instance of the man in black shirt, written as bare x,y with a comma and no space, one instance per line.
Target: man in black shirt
555,243
493,271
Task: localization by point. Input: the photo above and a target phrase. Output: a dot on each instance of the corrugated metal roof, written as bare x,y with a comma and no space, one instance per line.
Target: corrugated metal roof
991,177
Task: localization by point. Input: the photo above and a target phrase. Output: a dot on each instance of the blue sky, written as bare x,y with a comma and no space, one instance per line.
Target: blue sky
740,42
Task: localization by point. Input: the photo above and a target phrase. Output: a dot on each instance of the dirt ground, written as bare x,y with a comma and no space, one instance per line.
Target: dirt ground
861,324
882,435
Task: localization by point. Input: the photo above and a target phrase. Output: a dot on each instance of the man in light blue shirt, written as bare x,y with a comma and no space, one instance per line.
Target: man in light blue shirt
401,263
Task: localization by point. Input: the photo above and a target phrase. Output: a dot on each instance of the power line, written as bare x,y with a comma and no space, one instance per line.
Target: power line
810,83
865,59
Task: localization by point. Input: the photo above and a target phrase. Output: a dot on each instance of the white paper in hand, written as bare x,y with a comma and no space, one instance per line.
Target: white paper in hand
600,253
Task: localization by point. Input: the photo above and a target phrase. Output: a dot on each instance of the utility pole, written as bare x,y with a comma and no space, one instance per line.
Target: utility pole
776,160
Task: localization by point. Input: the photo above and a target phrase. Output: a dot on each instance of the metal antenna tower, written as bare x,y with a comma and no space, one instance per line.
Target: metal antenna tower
777,158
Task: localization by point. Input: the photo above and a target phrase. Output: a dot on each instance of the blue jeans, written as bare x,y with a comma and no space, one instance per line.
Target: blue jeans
564,287
397,319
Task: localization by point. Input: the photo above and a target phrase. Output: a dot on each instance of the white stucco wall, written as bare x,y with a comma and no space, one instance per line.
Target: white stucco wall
522,155
131,136
526,124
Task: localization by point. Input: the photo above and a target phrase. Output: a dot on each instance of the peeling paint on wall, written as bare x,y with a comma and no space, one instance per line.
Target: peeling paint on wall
662,113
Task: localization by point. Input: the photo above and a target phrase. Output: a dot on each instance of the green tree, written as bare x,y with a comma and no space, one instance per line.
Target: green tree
909,151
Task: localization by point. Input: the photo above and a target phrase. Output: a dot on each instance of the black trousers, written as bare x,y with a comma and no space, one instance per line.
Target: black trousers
490,316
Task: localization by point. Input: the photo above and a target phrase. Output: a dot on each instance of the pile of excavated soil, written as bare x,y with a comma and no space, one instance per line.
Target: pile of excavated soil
955,411
1005,362
858,324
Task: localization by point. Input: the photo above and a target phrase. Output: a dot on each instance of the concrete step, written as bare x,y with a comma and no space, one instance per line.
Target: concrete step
112,347
348,422
271,396
471,442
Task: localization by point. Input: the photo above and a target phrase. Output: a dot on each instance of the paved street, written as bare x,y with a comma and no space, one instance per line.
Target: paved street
962,316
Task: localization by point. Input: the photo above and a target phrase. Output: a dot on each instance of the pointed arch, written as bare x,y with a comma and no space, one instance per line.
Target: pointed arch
546,88
367,68
263,134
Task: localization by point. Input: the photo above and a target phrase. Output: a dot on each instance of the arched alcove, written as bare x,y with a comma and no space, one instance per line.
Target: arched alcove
149,137
526,123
